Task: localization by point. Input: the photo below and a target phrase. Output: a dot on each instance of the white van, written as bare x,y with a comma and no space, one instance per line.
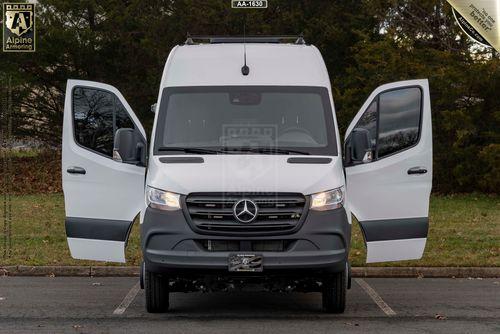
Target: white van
243,179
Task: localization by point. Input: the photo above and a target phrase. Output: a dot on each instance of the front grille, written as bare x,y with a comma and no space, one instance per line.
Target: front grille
277,212
252,245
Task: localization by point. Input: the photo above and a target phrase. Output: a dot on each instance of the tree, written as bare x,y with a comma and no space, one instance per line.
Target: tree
420,39
364,44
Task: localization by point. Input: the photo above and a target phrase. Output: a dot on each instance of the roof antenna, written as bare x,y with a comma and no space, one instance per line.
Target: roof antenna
245,69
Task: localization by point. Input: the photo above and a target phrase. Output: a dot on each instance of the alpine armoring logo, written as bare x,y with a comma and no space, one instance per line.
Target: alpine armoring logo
19,27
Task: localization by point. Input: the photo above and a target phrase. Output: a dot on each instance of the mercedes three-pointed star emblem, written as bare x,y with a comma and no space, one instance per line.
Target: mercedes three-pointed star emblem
245,210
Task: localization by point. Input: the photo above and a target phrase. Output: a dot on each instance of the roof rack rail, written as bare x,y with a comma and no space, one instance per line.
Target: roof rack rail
299,39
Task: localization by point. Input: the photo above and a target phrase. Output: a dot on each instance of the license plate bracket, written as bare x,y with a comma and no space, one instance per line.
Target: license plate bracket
245,262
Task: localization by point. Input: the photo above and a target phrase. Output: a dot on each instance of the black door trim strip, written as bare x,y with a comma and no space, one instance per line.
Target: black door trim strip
393,229
100,229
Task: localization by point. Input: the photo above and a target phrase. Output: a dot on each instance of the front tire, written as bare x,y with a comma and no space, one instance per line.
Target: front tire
334,292
156,291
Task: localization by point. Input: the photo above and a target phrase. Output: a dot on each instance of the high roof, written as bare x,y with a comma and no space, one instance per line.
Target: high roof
220,64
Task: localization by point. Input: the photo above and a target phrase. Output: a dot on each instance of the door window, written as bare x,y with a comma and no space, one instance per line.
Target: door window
97,114
399,120
122,120
393,120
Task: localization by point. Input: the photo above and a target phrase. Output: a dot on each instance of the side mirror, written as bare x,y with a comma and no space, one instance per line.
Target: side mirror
128,147
360,146
153,108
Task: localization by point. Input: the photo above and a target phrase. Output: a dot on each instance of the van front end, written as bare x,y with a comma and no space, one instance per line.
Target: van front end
281,235
223,241
246,183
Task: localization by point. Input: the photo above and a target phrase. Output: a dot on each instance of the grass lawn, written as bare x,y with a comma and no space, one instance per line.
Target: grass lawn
464,231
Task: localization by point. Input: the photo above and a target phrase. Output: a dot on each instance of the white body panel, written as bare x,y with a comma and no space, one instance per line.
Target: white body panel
270,64
109,189
395,250
97,250
245,173
383,190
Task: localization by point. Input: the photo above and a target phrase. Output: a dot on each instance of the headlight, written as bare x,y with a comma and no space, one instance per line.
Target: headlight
328,200
163,200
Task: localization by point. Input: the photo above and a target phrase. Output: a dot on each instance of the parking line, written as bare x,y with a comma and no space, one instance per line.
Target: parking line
127,300
375,296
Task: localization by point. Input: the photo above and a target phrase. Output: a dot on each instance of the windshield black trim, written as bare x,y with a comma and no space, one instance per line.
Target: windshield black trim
330,150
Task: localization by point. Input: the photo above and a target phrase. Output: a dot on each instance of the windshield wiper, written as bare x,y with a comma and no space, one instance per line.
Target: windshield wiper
268,150
226,150
192,150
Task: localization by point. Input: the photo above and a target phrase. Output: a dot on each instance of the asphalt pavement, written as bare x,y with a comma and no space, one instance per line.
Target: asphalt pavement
116,305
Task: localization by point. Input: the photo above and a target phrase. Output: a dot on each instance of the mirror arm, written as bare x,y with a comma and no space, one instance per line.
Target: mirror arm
348,155
141,154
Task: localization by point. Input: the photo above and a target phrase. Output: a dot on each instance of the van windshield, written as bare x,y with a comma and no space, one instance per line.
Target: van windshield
250,119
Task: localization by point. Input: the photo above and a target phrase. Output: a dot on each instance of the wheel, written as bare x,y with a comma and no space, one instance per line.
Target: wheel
156,291
334,292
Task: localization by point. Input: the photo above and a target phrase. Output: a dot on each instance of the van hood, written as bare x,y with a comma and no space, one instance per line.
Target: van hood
245,173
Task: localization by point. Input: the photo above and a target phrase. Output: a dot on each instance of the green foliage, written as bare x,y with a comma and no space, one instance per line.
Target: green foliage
364,44
33,172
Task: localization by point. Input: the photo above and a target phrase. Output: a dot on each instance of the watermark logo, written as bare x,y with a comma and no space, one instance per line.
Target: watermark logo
249,4
479,20
255,142
253,135
18,27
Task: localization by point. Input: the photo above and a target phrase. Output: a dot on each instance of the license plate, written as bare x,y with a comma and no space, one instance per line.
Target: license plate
245,262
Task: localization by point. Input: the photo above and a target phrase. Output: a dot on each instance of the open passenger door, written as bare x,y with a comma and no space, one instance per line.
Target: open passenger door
103,184
388,161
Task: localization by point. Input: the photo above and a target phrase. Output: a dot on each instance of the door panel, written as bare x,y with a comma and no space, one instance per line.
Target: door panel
395,250
102,196
390,195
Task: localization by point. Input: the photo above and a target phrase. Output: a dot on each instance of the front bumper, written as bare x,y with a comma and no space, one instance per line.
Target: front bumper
169,245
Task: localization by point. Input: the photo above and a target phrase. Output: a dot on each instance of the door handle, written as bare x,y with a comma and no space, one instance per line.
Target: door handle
417,170
76,170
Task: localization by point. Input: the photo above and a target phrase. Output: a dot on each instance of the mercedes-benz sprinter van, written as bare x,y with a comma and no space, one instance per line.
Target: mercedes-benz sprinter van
245,179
